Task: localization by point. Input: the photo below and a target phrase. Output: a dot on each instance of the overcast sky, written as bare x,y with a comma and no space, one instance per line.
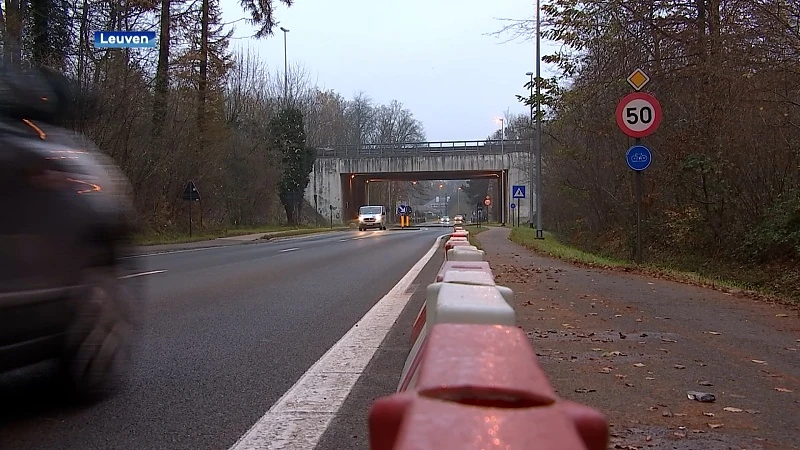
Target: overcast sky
434,56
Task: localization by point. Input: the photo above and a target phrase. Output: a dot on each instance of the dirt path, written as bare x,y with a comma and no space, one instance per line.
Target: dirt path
634,346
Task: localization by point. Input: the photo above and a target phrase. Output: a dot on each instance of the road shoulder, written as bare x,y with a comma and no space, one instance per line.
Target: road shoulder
633,346
349,428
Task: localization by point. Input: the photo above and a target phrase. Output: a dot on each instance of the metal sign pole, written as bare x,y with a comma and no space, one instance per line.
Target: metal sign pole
190,218
639,189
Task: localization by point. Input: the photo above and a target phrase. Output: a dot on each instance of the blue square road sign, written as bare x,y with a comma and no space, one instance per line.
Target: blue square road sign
518,191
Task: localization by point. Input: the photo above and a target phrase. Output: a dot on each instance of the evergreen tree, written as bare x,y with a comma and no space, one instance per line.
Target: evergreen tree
297,158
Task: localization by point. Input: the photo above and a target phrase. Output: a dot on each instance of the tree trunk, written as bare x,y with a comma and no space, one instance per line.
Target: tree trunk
83,38
202,84
162,70
12,38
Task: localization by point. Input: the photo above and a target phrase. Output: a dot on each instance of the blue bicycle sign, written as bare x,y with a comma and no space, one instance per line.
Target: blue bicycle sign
639,157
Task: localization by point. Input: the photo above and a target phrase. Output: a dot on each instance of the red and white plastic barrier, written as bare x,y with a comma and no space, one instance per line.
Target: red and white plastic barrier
456,241
461,266
481,386
465,253
472,380
458,303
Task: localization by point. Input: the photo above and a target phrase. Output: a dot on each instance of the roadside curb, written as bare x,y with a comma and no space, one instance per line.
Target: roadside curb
286,238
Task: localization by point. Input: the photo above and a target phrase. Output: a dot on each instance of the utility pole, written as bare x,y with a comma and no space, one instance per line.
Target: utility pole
531,161
539,231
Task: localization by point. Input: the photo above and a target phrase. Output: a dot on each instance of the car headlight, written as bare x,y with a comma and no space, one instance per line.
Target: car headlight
360,218
378,218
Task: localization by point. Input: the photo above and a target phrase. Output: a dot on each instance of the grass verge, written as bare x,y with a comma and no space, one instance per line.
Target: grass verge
206,235
301,232
473,232
550,246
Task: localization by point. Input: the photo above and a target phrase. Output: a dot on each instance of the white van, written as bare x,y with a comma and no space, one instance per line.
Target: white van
371,217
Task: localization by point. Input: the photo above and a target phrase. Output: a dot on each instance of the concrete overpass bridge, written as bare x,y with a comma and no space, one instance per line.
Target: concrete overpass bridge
341,175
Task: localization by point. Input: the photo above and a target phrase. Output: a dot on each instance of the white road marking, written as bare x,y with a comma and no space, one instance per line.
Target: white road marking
300,417
289,249
134,275
175,251
170,252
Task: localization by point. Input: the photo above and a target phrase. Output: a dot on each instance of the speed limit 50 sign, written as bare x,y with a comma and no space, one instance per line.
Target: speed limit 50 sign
638,114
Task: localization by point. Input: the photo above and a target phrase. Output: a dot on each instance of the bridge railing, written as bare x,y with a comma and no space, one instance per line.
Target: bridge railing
424,148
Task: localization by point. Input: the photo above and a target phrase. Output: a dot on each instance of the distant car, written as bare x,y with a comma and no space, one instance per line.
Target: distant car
458,220
445,219
371,217
63,295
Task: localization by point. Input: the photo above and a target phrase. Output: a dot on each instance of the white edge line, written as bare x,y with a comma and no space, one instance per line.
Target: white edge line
289,249
300,417
141,274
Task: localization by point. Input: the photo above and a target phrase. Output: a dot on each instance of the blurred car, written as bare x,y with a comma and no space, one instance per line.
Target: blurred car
446,220
458,220
63,237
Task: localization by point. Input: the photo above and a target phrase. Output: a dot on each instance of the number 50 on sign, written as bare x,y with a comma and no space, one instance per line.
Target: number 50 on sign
638,114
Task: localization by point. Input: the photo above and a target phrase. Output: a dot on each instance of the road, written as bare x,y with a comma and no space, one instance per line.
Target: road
227,331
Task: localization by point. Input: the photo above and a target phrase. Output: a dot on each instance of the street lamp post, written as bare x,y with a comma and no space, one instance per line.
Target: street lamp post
285,68
539,231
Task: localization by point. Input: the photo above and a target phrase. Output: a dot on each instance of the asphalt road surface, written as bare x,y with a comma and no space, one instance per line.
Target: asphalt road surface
227,331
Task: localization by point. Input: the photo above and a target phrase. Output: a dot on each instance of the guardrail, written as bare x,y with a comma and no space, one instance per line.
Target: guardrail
485,147
472,379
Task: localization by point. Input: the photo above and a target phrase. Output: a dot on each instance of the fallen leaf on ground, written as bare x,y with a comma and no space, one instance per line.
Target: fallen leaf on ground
704,383
678,366
638,365
668,340
713,332
781,315
649,378
758,361
708,414
751,411
619,375
732,409
617,315
584,391
783,390
629,384
606,370
714,425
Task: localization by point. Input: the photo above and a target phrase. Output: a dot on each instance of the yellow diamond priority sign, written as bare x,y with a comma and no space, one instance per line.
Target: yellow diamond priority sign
638,79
